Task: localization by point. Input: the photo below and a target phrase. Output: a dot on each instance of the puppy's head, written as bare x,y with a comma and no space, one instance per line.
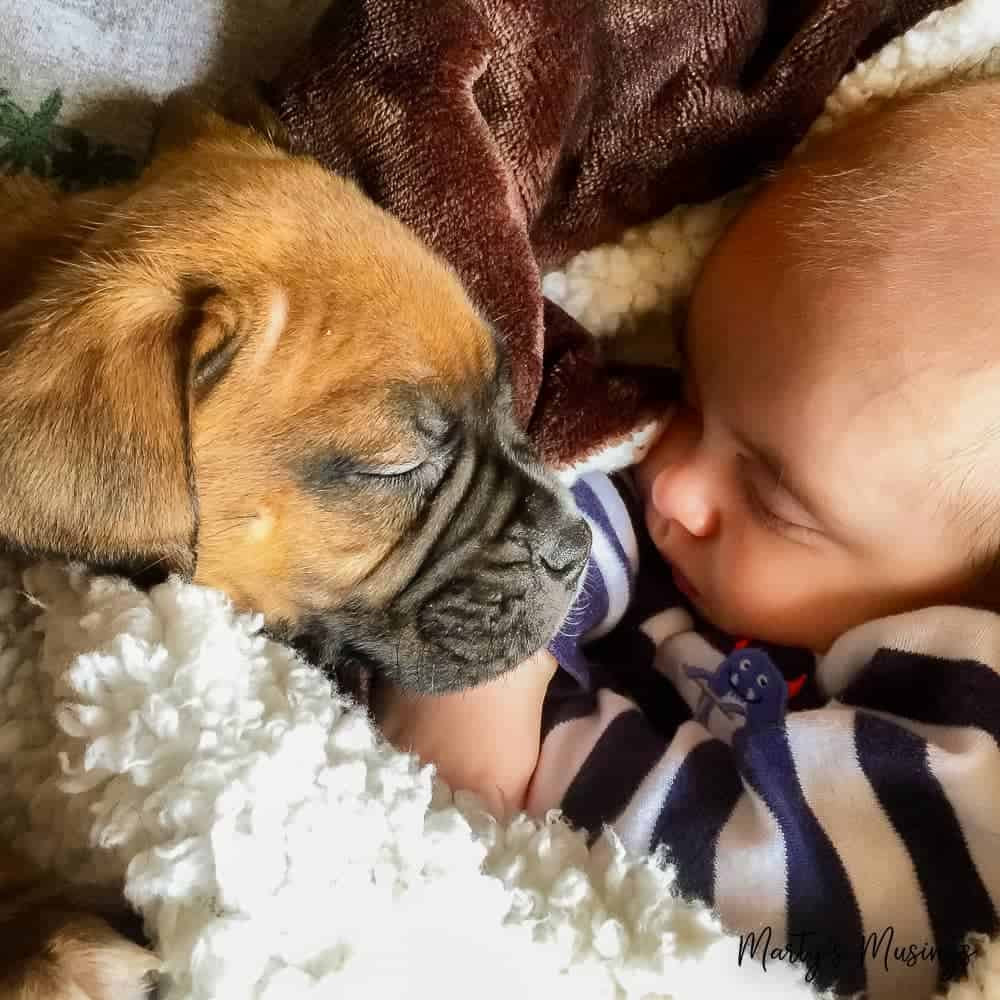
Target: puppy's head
242,371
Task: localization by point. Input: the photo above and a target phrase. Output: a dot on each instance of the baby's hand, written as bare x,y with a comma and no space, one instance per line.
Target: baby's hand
485,740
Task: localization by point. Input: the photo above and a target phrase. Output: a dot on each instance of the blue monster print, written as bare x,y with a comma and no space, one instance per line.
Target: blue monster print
745,685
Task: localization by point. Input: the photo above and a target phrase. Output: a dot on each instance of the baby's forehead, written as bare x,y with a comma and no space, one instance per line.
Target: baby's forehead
851,364
809,295
757,307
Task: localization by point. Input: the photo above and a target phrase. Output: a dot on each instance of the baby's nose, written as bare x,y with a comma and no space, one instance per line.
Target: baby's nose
683,494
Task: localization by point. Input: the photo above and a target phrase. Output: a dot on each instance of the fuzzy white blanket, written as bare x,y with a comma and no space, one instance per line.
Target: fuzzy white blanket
275,845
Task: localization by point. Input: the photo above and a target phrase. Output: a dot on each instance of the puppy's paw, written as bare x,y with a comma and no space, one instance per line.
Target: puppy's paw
61,953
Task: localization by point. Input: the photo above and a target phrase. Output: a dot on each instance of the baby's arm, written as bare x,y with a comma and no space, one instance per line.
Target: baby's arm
485,740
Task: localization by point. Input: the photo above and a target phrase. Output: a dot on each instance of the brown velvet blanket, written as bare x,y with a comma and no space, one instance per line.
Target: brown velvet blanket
512,133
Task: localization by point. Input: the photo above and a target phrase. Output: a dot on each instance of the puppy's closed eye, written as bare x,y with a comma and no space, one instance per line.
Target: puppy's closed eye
436,439
397,471
425,468
329,473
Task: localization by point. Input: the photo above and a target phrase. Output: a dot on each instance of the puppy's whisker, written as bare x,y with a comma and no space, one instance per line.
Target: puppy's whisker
501,318
236,523
153,564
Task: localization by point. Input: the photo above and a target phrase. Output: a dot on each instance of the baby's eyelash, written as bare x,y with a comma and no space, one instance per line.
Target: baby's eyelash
764,513
761,511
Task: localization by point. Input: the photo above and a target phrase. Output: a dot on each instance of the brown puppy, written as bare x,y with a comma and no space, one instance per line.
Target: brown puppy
240,370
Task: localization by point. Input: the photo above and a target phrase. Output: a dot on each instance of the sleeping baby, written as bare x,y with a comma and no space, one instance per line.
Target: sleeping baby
736,684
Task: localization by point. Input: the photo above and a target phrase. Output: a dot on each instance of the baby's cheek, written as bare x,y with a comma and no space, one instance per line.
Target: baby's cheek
753,593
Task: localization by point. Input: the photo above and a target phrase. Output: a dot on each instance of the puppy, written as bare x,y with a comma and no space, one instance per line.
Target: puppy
240,370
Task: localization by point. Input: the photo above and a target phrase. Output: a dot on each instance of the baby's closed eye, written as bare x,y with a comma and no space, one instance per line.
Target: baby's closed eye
774,506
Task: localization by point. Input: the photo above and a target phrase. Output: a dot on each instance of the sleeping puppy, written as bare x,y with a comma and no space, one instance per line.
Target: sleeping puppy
240,370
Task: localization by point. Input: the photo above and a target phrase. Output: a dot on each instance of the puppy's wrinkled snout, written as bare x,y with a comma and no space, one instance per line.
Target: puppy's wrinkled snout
564,553
558,537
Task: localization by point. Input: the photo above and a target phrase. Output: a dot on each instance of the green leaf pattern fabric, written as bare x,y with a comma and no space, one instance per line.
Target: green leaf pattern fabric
32,140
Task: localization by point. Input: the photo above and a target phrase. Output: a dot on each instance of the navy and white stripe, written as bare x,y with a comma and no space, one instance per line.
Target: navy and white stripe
610,577
862,826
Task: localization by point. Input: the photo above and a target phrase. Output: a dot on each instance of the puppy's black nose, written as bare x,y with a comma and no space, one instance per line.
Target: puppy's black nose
564,552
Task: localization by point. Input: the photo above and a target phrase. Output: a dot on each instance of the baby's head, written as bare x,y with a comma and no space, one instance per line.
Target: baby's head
838,456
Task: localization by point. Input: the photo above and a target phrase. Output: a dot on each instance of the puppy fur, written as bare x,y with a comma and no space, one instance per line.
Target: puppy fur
241,370
124,305
59,943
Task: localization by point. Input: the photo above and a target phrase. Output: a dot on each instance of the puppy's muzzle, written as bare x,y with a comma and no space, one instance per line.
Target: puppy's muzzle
495,601
493,590
564,553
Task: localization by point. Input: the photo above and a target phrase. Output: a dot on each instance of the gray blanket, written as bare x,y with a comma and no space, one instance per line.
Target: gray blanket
79,79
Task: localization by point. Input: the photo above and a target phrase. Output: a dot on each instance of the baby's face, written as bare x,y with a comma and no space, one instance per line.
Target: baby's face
798,490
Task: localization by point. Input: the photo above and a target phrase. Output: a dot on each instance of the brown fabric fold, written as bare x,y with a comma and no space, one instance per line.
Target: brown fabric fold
511,134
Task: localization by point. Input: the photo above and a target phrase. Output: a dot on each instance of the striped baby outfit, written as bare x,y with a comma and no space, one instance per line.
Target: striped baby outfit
844,808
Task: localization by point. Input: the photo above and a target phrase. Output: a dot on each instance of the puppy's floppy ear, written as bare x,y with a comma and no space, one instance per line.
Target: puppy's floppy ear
96,388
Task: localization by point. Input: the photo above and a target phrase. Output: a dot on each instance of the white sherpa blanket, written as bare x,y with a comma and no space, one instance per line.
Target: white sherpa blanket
276,847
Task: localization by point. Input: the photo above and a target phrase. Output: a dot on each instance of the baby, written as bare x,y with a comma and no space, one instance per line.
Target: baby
734,685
